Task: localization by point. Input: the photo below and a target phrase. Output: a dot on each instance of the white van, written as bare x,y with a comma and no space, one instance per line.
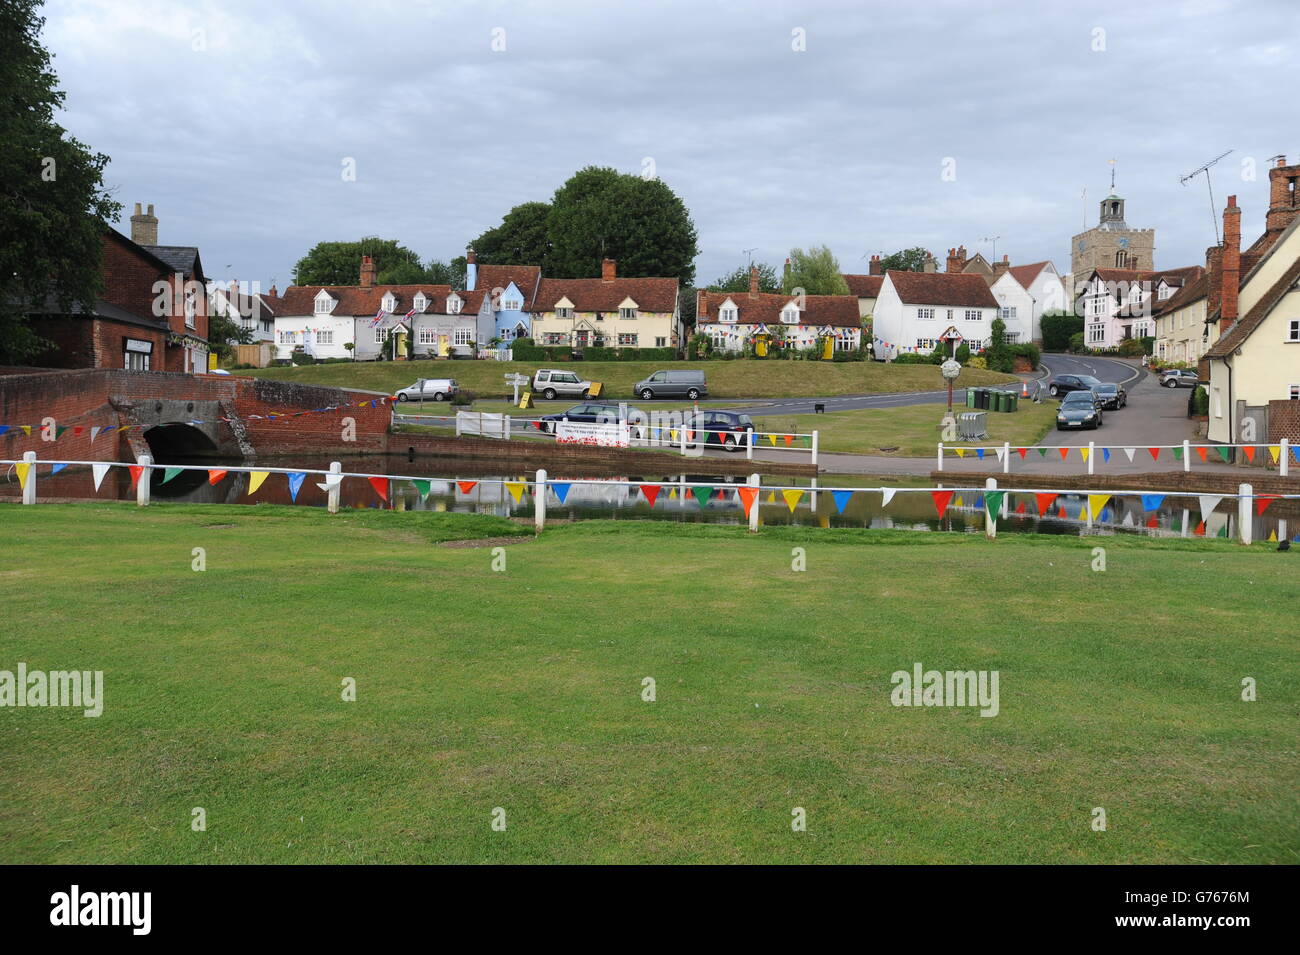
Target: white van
429,389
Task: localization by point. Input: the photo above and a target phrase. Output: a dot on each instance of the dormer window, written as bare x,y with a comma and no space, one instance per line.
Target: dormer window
1165,292
453,305
389,302
324,303
420,302
790,315
563,312
627,313
727,314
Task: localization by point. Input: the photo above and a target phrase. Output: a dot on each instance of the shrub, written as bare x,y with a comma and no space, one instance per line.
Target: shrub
1132,348
1200,400
463,398
979,361
300,357
1058,329
1075,343
1028,351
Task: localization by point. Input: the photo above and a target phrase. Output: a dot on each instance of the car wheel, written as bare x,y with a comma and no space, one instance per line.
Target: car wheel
585,395
403,398
693,394
1053,391
1171,383
549,394
437,396
646,394
731,444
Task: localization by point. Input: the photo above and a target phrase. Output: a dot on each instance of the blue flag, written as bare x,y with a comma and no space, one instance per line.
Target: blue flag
295,482
1152,502
1105,454
561,490
980,453
841,499
57,468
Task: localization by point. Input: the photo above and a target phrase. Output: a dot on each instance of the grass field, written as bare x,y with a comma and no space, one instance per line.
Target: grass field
523,689
909,431
727,379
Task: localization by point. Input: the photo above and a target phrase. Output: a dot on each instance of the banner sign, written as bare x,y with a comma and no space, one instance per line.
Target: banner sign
611,435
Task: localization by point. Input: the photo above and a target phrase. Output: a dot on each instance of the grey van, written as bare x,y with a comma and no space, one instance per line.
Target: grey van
429,389
673,384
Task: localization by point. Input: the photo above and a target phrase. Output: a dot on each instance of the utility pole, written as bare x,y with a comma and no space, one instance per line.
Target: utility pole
1205,168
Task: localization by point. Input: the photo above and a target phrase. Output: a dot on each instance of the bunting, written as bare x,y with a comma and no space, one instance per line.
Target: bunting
1262,501
941,500
1105,455
842,499
887,495
651,492
1152,502
422,487
255,479
792,497
136,470
380,485
1275,452
169,473
748,495
1208,503
98,471
23,469
1083,452
1223,453
1022,452
561,489
1128,453
702,494
1203,452
1096,504
295,484
1043,501
993,502
1155,453
215,475
1249,451
466,486
1064,452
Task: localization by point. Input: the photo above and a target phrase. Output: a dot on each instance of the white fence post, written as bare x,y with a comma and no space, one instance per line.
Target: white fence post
1006,457
1187,455
749,443
814,448
539,500
1284,462
754,482
335,488
458,424
507,429
1092,456
990,519
940,455
682,434
1245,511
29,488
142,485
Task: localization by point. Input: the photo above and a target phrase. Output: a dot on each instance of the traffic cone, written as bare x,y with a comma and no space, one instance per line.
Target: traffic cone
1024,389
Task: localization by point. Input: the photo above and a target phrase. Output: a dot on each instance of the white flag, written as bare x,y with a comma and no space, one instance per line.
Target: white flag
333,480
1000,451
94,433
1208,503
1129,453
887,495
98,471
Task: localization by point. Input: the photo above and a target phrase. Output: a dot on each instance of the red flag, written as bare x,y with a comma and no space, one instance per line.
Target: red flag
466,486
1202,452
77,429
1200,528
136,470
1044,501
1020,508
1155,453
380,485
789,440
748,495
1022,451
1153,523
1064,452
1262,501
941,499
651,491
1250,452
214,475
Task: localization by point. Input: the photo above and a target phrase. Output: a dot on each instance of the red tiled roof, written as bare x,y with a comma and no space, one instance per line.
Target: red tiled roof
1025,274
966,289
1190,292
1240,330
764,308
365,301
525,277
597,295
864,286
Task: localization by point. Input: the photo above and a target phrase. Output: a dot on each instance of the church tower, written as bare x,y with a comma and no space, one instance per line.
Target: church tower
1111,244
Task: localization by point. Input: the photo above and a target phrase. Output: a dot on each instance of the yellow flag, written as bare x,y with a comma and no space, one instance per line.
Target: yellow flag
1096,502
22,469
672,433
516,489
1084,453
255,479
672,494
961,452
771,497
1272,536
27,429
792,498
1275,450
957,501
772,438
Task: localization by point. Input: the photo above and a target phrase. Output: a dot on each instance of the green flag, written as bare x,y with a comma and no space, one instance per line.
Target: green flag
422,486
993,501
170,473
1042,452
702,494
1223,453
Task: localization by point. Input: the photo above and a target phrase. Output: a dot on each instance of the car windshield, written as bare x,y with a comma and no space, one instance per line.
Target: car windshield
1078,398
1107,388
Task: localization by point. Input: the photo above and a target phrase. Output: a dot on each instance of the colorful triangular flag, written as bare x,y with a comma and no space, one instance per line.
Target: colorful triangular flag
1043,501
422,487
792,496
1096,503
169,473
23,468
215,475
993,502
748,495
136,470
97,471
561,489
380,484
295,483
842,499
1208,503
941,500
651,492
255,479
702,494
466,486
1152,502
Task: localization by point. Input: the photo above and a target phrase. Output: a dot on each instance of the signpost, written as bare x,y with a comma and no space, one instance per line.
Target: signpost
515,380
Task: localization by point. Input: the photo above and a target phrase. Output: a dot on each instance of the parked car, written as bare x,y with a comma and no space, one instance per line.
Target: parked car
429,389
1111,395
672,384
725,429
590,412
1079,409
1064,384
553,383
1179,378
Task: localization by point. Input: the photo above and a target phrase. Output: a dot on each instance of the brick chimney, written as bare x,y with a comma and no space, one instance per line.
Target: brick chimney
929,265
144,226
607,271
1000,267
957,259
785,275
1283,196
273,293
367,271
877,267
1231,264
753,280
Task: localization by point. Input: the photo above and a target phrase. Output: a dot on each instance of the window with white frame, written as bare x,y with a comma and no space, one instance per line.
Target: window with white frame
325,336
1096,333
1098,306
1293,330
453,305
1007,312
428,336
287,338
627,339
191,307
553,338
462,336
420,302
512,304
926,344
324,304
950,315
389,302
1165,292
627,313
661,342
381,335
790,315
972,315
1013,338
727,314
924,314
844,340
563,311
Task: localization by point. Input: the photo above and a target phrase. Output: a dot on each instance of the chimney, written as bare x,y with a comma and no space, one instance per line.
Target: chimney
877,267
753,280
607,271
471,269
1000,267
144,226
367,271
929,265
1231,264
785,275
273,293
1283,196
957,259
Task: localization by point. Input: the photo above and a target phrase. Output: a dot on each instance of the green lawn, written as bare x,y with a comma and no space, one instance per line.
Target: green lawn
522,690
909,431
727,379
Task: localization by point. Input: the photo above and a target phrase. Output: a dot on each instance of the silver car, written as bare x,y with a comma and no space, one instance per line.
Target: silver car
553,383
1179,378
429,389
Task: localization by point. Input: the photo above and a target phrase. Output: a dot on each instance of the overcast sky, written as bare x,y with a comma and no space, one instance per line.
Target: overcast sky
235,118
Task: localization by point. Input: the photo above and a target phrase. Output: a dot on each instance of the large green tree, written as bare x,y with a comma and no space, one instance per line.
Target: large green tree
520,239
601,213
54,206
738,279
906,260
816,271
339,263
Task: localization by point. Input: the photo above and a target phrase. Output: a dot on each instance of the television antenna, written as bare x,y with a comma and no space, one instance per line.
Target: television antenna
750,253
1205,168
994,240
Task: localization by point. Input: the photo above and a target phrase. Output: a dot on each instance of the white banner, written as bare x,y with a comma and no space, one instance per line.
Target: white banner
483,424
611,435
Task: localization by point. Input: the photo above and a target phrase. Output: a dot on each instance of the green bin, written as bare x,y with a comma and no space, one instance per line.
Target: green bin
1013,401
995,402
970,397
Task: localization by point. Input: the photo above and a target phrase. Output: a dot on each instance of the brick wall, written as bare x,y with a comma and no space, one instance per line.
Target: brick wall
1284,422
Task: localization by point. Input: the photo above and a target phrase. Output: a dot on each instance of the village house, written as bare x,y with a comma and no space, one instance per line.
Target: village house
867,287
608,312
1119,304
151,315
916,310
766,320
253,312
423,321
1254,366
508,292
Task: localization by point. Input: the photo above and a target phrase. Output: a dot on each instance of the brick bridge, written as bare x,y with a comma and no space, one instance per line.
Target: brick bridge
180,415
